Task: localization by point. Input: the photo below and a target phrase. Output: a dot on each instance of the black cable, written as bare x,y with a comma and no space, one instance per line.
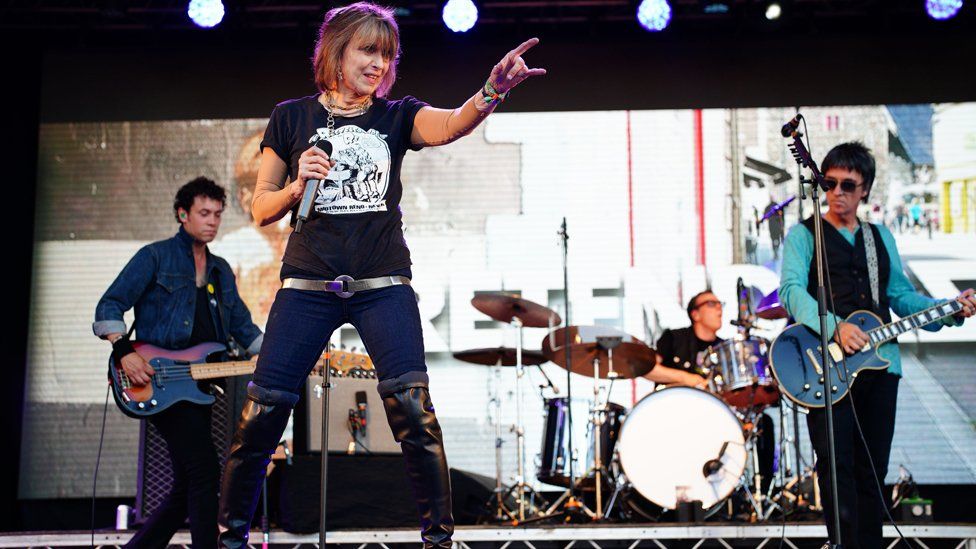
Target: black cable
850,393
357,441
98,459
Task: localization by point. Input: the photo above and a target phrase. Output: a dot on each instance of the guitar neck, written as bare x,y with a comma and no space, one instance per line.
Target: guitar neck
211,370
914,321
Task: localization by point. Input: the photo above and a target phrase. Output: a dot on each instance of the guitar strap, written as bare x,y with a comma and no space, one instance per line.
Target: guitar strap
871,252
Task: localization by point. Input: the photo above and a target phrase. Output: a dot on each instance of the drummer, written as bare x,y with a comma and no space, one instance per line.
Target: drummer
677,365
678,349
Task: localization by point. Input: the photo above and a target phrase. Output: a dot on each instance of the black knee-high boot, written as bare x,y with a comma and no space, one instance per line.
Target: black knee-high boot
411,417
262,421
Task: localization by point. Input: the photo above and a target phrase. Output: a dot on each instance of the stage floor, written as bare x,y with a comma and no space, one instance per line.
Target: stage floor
795,535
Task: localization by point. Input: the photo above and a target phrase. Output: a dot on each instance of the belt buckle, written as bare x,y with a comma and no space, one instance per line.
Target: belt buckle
340,291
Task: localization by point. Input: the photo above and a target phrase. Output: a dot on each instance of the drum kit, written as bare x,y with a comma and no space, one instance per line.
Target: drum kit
677,447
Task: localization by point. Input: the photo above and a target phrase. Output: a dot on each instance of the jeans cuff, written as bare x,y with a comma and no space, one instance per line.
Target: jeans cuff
402,382
270,397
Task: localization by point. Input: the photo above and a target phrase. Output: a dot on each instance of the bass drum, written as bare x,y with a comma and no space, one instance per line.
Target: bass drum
670,436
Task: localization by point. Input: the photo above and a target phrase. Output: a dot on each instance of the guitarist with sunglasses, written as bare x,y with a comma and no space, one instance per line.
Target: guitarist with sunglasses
859,280
183,295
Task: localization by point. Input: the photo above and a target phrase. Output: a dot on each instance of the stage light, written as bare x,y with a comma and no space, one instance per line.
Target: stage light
206,13
460,15
713,8
654,15
942,9
773,11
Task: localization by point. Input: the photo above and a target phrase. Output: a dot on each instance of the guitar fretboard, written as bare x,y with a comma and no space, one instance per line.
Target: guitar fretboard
211,370
914,321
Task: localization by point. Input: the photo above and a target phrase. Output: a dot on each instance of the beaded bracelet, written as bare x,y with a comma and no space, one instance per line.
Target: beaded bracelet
490,94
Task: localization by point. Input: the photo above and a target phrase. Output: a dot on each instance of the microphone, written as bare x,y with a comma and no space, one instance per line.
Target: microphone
311,188
791,126
713,466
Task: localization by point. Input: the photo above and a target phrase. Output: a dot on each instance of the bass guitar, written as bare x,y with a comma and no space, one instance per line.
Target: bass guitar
795,355
179,373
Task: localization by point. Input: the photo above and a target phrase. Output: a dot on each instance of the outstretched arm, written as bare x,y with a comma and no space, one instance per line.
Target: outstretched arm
434,126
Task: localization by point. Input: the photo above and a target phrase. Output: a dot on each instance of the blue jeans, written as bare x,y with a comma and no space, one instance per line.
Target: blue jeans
301,322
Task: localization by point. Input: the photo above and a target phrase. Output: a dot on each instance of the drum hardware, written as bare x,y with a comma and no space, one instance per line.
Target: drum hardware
497,357
601,353
770,307
519,313
762,504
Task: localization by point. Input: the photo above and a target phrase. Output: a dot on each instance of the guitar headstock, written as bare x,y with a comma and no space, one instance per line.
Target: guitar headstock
345,361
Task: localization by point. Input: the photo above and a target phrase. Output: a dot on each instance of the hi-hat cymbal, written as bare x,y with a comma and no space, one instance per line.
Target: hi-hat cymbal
505,307
770,307
631,357
490,356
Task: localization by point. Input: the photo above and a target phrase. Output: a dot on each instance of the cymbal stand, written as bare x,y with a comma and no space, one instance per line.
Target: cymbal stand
521,487
598,417
501,511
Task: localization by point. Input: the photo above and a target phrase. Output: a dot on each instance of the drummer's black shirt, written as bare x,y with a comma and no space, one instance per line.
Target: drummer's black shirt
679,348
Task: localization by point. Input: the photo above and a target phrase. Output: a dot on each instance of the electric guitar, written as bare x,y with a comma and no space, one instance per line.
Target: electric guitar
795,355
179,373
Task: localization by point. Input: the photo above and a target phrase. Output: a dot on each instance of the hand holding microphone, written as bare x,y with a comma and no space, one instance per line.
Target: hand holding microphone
313,166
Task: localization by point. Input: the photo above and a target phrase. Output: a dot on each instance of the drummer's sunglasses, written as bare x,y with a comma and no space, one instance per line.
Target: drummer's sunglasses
847,185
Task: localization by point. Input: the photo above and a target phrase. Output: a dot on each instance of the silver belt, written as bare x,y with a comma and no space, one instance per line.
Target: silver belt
344,286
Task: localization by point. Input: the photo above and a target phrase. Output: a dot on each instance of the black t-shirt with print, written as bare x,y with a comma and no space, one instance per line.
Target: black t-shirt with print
679,349
355,227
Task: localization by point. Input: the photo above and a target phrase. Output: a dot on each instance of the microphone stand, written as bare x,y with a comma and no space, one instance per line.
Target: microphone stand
803,157
326,386
572,504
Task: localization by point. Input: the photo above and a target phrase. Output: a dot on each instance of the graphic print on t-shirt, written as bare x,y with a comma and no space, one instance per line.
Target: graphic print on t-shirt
359,180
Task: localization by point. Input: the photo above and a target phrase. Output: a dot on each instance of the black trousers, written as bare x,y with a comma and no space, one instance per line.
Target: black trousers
875,396
196,477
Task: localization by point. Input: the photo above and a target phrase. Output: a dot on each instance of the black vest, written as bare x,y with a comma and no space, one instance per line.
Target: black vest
848,268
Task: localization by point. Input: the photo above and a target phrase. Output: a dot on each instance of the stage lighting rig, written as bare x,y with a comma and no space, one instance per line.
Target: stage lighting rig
460,15
206,13
654,15
942,9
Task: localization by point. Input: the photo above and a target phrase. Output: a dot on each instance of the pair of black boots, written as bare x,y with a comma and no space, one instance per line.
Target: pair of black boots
414,424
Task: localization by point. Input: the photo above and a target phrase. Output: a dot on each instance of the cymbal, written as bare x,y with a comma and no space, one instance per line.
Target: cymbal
489,356
504,307
770,307
631,357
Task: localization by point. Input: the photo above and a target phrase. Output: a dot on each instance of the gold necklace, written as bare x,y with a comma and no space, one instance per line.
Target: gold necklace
331,107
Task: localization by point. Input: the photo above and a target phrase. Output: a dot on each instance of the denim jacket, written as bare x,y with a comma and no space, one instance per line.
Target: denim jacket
160,282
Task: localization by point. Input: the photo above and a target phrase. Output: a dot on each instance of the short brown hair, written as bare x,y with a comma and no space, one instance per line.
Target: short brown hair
369,22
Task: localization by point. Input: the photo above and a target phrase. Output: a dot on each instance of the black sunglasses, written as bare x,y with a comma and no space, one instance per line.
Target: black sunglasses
847,185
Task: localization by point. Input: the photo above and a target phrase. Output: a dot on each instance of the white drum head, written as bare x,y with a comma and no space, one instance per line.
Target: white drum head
669,436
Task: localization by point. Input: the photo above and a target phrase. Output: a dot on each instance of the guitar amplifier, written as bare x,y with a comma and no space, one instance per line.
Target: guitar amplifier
376,438
154,477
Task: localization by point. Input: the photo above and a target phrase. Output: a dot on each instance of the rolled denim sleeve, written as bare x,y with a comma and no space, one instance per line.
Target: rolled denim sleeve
794,277
123,293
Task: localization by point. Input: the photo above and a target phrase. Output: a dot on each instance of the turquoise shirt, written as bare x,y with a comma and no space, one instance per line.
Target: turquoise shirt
794,277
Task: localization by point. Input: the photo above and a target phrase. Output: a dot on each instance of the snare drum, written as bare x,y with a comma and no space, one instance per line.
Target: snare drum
740,372
668,438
